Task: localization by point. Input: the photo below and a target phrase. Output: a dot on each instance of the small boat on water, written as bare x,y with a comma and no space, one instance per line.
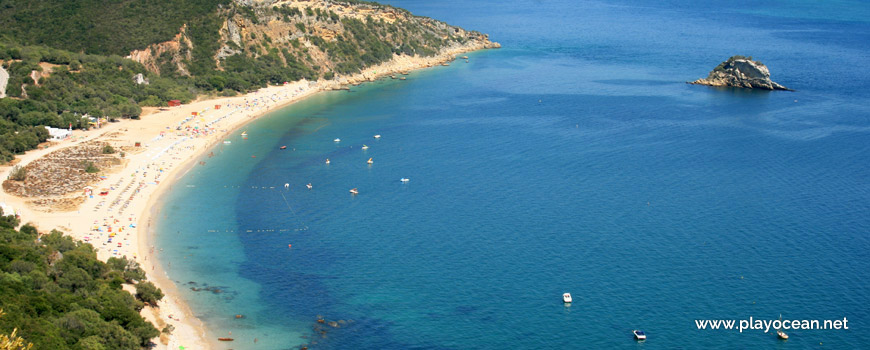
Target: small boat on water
404,179
464,57
227,142
370,161
402,78
566,298
226,339
244,133
377,136
337,140
309,186
638,335
354,191
364,147
327,160
283,147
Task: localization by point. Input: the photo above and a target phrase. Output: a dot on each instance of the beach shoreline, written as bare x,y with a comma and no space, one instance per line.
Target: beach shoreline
168,156
194,329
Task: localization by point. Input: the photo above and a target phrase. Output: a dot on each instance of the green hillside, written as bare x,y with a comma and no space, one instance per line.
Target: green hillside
65,59
101,27
59,296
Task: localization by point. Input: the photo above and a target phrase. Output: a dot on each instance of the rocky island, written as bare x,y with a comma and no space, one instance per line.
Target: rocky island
743,72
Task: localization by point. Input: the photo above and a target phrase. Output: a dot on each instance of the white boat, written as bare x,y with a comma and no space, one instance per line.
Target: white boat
639,335
377,136
364,147
327,160
354,191
337,140
309,186
227,142
566,298
370,161
244,133
404,179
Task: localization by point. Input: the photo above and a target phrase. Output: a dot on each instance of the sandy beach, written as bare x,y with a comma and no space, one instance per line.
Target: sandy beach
171,141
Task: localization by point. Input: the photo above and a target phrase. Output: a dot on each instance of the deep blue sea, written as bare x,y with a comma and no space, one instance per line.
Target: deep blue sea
574,159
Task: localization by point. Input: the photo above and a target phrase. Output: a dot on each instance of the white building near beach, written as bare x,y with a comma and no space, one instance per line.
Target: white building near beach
58,134
7,209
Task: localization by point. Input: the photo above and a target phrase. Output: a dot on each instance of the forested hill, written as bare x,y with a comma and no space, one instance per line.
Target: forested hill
67,59
98,26
55,294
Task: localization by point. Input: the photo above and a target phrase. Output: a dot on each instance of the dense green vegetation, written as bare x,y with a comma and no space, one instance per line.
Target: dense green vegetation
97,26
59,296
77,56
77,85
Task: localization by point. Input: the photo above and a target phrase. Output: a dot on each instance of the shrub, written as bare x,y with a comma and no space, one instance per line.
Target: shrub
18,173
107,149
90,168
147,292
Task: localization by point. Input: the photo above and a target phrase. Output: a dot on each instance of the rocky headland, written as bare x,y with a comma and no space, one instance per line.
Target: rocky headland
742,72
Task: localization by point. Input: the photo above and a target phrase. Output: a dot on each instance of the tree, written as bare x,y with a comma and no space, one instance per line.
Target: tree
12,341
8,221
91,343
129,110
148,292
129,268
59,296
58,242
18,173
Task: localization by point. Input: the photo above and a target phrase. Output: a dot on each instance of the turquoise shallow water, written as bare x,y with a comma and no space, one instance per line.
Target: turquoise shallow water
574,159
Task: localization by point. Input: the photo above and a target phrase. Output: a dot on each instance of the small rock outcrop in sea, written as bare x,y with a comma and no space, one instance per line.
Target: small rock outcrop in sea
739,71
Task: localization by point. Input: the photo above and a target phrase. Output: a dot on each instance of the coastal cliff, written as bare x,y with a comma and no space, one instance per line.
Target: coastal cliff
742,72
187,50
311,39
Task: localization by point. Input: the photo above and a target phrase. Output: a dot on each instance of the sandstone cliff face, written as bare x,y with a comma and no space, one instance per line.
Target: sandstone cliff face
175,52
302,30
741,72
